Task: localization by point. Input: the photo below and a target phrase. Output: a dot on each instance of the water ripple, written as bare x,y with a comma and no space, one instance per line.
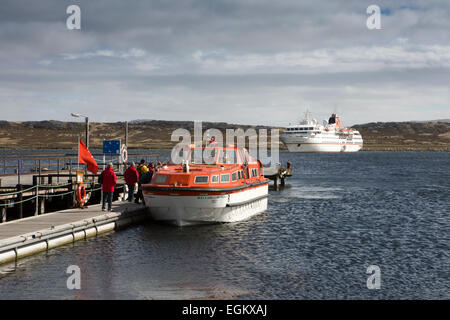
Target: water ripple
338,215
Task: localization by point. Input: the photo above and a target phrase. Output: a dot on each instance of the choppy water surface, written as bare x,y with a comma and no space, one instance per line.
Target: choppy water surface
338,214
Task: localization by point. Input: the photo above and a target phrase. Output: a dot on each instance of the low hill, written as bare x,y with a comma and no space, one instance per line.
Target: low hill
155,134
433,135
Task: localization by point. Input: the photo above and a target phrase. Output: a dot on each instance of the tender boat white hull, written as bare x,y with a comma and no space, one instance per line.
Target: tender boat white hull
183,210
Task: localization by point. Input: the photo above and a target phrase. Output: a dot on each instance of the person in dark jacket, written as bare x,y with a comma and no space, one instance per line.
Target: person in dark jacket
131,178
140,166
146,177
109,181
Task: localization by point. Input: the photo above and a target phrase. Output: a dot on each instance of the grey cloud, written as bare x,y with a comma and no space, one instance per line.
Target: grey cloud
212,58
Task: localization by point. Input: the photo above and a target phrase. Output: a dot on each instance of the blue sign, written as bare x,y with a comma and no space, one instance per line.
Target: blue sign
111,146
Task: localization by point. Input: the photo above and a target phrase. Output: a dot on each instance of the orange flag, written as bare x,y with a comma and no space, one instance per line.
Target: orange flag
84,156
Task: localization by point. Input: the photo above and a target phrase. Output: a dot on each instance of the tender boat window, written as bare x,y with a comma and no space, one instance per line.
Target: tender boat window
225,177
254,172
234,176
201,179
161,178
215,179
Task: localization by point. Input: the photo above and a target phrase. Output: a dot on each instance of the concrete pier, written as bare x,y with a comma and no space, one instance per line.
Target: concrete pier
20,238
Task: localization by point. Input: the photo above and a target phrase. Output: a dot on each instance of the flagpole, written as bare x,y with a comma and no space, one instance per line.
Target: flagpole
78,158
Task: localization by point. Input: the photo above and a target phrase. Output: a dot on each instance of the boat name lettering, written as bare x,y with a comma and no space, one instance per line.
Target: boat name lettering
211,197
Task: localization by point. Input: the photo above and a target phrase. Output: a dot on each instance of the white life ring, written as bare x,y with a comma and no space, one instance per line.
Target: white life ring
124,153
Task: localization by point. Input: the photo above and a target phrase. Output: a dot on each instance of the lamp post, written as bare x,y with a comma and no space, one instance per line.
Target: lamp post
77,115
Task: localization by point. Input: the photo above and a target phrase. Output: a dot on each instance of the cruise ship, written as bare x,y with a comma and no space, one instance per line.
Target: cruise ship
311,136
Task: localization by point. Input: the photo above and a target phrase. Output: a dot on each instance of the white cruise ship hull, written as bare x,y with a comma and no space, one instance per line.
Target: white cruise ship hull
322,147
309,136
184,210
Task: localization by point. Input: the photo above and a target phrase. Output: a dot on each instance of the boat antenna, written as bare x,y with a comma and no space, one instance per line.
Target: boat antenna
307,114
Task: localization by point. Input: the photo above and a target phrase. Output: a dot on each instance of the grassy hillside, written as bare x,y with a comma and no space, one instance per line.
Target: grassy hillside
405,135
156,134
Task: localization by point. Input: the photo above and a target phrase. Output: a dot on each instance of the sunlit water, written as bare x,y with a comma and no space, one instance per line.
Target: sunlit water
338,214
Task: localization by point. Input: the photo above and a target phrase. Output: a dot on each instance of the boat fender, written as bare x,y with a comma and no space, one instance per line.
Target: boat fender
81,195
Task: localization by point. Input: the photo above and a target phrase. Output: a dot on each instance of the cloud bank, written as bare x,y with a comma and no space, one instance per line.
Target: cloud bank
260,62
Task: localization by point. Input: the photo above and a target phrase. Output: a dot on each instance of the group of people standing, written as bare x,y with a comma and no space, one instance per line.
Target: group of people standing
140,174
134,175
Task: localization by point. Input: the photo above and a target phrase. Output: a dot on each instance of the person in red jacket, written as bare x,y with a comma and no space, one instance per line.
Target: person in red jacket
131,178
109,181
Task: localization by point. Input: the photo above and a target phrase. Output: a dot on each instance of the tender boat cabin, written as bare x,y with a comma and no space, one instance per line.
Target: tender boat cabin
211,167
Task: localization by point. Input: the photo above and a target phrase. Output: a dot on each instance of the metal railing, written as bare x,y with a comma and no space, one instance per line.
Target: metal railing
17,165
34,192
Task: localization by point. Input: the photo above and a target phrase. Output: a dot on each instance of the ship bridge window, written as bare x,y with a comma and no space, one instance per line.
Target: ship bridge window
201,179
225,177
241,158
248,156
229,156
199,156
209,155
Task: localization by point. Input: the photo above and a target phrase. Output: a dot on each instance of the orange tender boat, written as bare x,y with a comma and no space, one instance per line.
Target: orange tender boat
230,187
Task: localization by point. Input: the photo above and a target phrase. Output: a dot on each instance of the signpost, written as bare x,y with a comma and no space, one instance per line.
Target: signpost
111,146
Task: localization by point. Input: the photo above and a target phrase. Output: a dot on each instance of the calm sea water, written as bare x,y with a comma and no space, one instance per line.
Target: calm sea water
338,214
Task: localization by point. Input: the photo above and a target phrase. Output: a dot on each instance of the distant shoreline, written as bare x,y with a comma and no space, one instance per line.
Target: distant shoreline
156,134
387,149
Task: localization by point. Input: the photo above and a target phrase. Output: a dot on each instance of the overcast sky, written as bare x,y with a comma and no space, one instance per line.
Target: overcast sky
237,61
